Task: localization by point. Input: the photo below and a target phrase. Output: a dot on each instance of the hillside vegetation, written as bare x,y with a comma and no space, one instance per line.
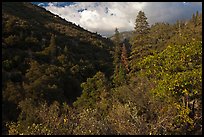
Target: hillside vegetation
60,79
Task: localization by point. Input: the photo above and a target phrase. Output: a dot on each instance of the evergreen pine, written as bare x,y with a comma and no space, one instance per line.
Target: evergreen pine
140,39
141,24
116,58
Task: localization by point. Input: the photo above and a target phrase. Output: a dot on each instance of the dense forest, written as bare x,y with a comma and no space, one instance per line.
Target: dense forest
60,79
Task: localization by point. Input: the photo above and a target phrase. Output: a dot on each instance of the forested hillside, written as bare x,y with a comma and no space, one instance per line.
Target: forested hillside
45,57
60,79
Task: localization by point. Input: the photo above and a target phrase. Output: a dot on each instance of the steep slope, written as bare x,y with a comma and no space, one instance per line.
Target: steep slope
45,57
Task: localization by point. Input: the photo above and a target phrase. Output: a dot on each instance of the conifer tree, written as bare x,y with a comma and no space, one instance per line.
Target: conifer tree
140,39
121,77
117,51
116,57
141,24
65,50
195,18
53,48
124,58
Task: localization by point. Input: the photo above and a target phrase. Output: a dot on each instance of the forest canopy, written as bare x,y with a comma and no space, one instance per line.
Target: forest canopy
60,79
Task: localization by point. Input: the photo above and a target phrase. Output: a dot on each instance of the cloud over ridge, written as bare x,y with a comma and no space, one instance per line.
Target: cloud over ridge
104,17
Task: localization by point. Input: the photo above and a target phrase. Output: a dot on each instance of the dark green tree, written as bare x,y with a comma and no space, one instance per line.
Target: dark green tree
94,90
194,19
140,39
11,96
141,24
121,77
66,50
117,52
53,48
50,52
44,82
116,57
124,58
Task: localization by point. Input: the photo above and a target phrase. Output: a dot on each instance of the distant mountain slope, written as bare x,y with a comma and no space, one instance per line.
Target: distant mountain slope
123,35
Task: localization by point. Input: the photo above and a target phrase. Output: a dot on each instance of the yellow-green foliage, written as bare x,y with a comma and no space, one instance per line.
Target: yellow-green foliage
49,120
93,91
177,73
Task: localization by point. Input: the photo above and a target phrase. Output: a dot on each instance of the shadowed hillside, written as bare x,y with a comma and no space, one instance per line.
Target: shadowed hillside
36,43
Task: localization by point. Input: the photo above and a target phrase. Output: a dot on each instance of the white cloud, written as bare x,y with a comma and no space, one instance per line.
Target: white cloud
104,17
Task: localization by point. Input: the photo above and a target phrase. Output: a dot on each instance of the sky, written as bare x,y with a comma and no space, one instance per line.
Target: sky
104,17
